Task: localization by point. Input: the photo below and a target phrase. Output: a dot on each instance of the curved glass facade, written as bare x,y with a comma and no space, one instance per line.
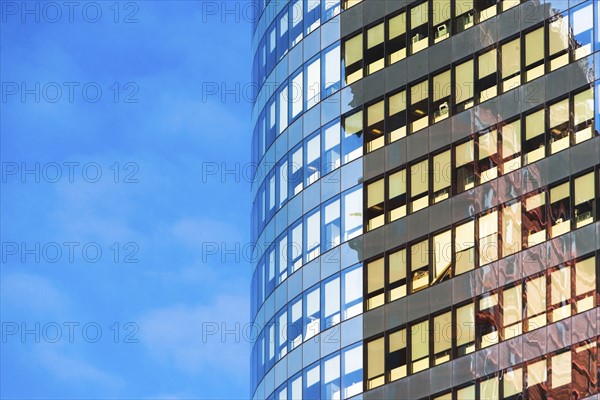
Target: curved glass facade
426,199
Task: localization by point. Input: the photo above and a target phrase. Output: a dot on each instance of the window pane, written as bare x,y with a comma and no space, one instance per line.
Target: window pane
513,382
465,325
375,275
375,362
511,58
534,42
441,86
420,346
585,276
375,193
443,255
464,81
487,64
352,383
559,34
419,178
561,369
511,229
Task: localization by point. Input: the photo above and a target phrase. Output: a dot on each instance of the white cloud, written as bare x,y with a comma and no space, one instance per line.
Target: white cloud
183,336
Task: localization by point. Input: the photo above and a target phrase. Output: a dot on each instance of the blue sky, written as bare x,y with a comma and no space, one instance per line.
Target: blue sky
160,207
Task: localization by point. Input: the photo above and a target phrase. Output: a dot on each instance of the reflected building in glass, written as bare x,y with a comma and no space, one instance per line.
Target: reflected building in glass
426,212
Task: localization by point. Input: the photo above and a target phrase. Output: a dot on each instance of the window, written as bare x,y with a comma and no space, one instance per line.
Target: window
352,286
352,362
396,195
488,320
584,200
296,31
353,53
397,274
283,38
582,23
375,363
375,126
466,393
583,104
463,10
465,166
513,383
296,96
419,104
331,378
295,179
396,121
419,186
331,309
397,357
536,379
419,32
442,11
561,369
283,109
375,283
331,148
312,380
312,165
560,210
488,156
331,71
442,173
419,337
512,316
295,324
534,219
535,290
313,83
375,204
511,65
375,54
442,250
487,80
281,335
485,9
560,294
488,238
464,85
511,147
442,345
558,34
465,329
464,247
312,20
295,388
312,313
490,388
419,266
534,54
312,225
396,44
584,378
534,137
442,90
352,213
282,262
295,247
585,284
331,224
511,229
352,137
331,8
559,126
